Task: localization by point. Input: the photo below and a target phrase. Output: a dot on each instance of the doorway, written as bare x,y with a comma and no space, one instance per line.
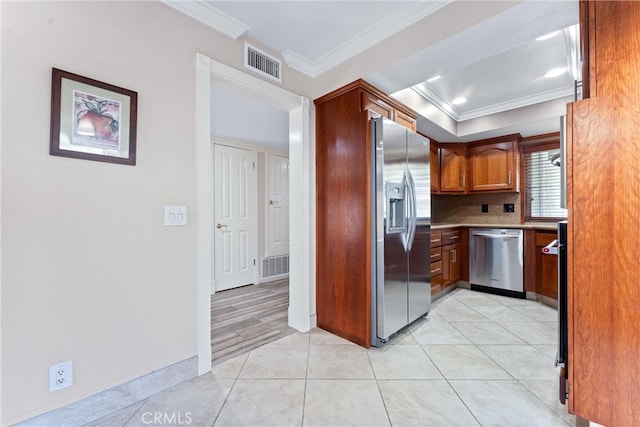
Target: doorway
301,311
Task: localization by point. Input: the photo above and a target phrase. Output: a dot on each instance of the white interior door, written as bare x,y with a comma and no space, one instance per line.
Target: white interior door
278,205
235,217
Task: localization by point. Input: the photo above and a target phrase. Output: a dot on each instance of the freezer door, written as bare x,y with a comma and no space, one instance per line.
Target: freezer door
392,262
419,271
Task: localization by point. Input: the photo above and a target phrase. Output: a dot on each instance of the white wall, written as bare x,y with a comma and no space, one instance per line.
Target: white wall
89,273
236,116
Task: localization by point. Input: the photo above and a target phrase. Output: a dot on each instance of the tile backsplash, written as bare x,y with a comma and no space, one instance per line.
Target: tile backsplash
467,208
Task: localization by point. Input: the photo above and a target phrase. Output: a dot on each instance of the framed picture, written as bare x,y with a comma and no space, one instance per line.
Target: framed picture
92,120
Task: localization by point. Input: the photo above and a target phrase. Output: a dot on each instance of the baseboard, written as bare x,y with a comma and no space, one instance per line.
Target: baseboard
119,397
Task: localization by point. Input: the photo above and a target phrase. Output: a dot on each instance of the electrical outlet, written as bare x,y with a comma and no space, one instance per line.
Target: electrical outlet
509,207
485,208
60,376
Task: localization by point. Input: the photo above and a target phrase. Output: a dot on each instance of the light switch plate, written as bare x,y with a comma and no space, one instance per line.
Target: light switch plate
175,215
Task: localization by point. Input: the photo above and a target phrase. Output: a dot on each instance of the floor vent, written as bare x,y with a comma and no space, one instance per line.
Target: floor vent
262,63
275,266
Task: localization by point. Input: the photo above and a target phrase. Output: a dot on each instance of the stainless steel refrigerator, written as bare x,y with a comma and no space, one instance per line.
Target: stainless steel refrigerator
401,222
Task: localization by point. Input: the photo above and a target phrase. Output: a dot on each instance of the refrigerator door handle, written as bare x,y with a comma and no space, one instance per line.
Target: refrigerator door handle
413,213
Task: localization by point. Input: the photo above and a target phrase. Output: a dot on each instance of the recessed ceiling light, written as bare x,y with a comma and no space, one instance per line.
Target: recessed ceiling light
434,78
555,72
458,101
547,36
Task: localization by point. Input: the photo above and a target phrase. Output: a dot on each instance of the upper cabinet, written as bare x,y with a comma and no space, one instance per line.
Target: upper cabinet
379,104
493,167
488,166
453,168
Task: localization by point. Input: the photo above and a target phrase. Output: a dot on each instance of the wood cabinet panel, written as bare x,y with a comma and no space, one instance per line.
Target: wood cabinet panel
434,167
451,263
378,106
603,294
492,167
546,266
405,120
436,284
343,165
453,169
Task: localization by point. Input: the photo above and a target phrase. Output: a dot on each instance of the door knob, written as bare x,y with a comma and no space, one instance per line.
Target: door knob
218,225
273,202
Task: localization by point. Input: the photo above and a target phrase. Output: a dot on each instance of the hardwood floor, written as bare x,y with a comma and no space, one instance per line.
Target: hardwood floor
247,317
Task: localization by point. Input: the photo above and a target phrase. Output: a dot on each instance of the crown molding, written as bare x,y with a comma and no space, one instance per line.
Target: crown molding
512,104
372,35
210,16
440,103
524,101
377,32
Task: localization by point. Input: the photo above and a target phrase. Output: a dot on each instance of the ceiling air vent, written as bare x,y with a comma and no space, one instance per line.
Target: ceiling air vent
261,63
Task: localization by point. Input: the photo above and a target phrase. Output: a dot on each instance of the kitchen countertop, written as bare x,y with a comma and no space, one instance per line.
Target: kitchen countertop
529,225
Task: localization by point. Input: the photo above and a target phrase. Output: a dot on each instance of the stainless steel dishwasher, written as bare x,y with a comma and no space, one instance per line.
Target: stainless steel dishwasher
496,261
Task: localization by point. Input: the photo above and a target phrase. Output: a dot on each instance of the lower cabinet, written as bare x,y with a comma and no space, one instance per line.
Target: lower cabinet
546,266
451,263
448,259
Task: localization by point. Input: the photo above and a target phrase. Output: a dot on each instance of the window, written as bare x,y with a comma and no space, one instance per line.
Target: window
542,181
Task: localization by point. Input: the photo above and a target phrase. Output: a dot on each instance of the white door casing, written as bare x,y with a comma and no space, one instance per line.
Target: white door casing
302,190
277,205
235,217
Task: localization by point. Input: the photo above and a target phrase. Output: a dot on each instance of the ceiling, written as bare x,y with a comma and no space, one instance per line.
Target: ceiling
496,63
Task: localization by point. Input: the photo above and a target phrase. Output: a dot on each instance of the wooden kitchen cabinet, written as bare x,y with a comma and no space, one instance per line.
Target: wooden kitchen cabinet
485,166
343,206
453,168
493,165
405,120
378,103
451,263
603,295
546,266
449,256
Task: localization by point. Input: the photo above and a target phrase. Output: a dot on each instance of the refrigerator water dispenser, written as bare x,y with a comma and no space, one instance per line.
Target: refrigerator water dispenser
396,217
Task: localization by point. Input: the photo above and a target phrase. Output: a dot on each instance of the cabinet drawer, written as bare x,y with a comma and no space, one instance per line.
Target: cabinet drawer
436,254
436,268
436,280
436,239
449,237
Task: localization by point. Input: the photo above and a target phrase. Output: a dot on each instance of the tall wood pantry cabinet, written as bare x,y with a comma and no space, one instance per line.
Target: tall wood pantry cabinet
343,213
603,169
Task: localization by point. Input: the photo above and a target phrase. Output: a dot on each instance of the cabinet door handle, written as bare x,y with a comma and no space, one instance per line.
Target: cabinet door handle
463,180
509,177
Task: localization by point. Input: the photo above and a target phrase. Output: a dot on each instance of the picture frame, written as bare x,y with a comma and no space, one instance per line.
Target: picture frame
92,120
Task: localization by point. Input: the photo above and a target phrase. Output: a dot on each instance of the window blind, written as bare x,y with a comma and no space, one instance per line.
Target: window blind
542,185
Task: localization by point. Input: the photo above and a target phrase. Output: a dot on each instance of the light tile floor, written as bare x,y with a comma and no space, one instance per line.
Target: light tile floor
477,359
